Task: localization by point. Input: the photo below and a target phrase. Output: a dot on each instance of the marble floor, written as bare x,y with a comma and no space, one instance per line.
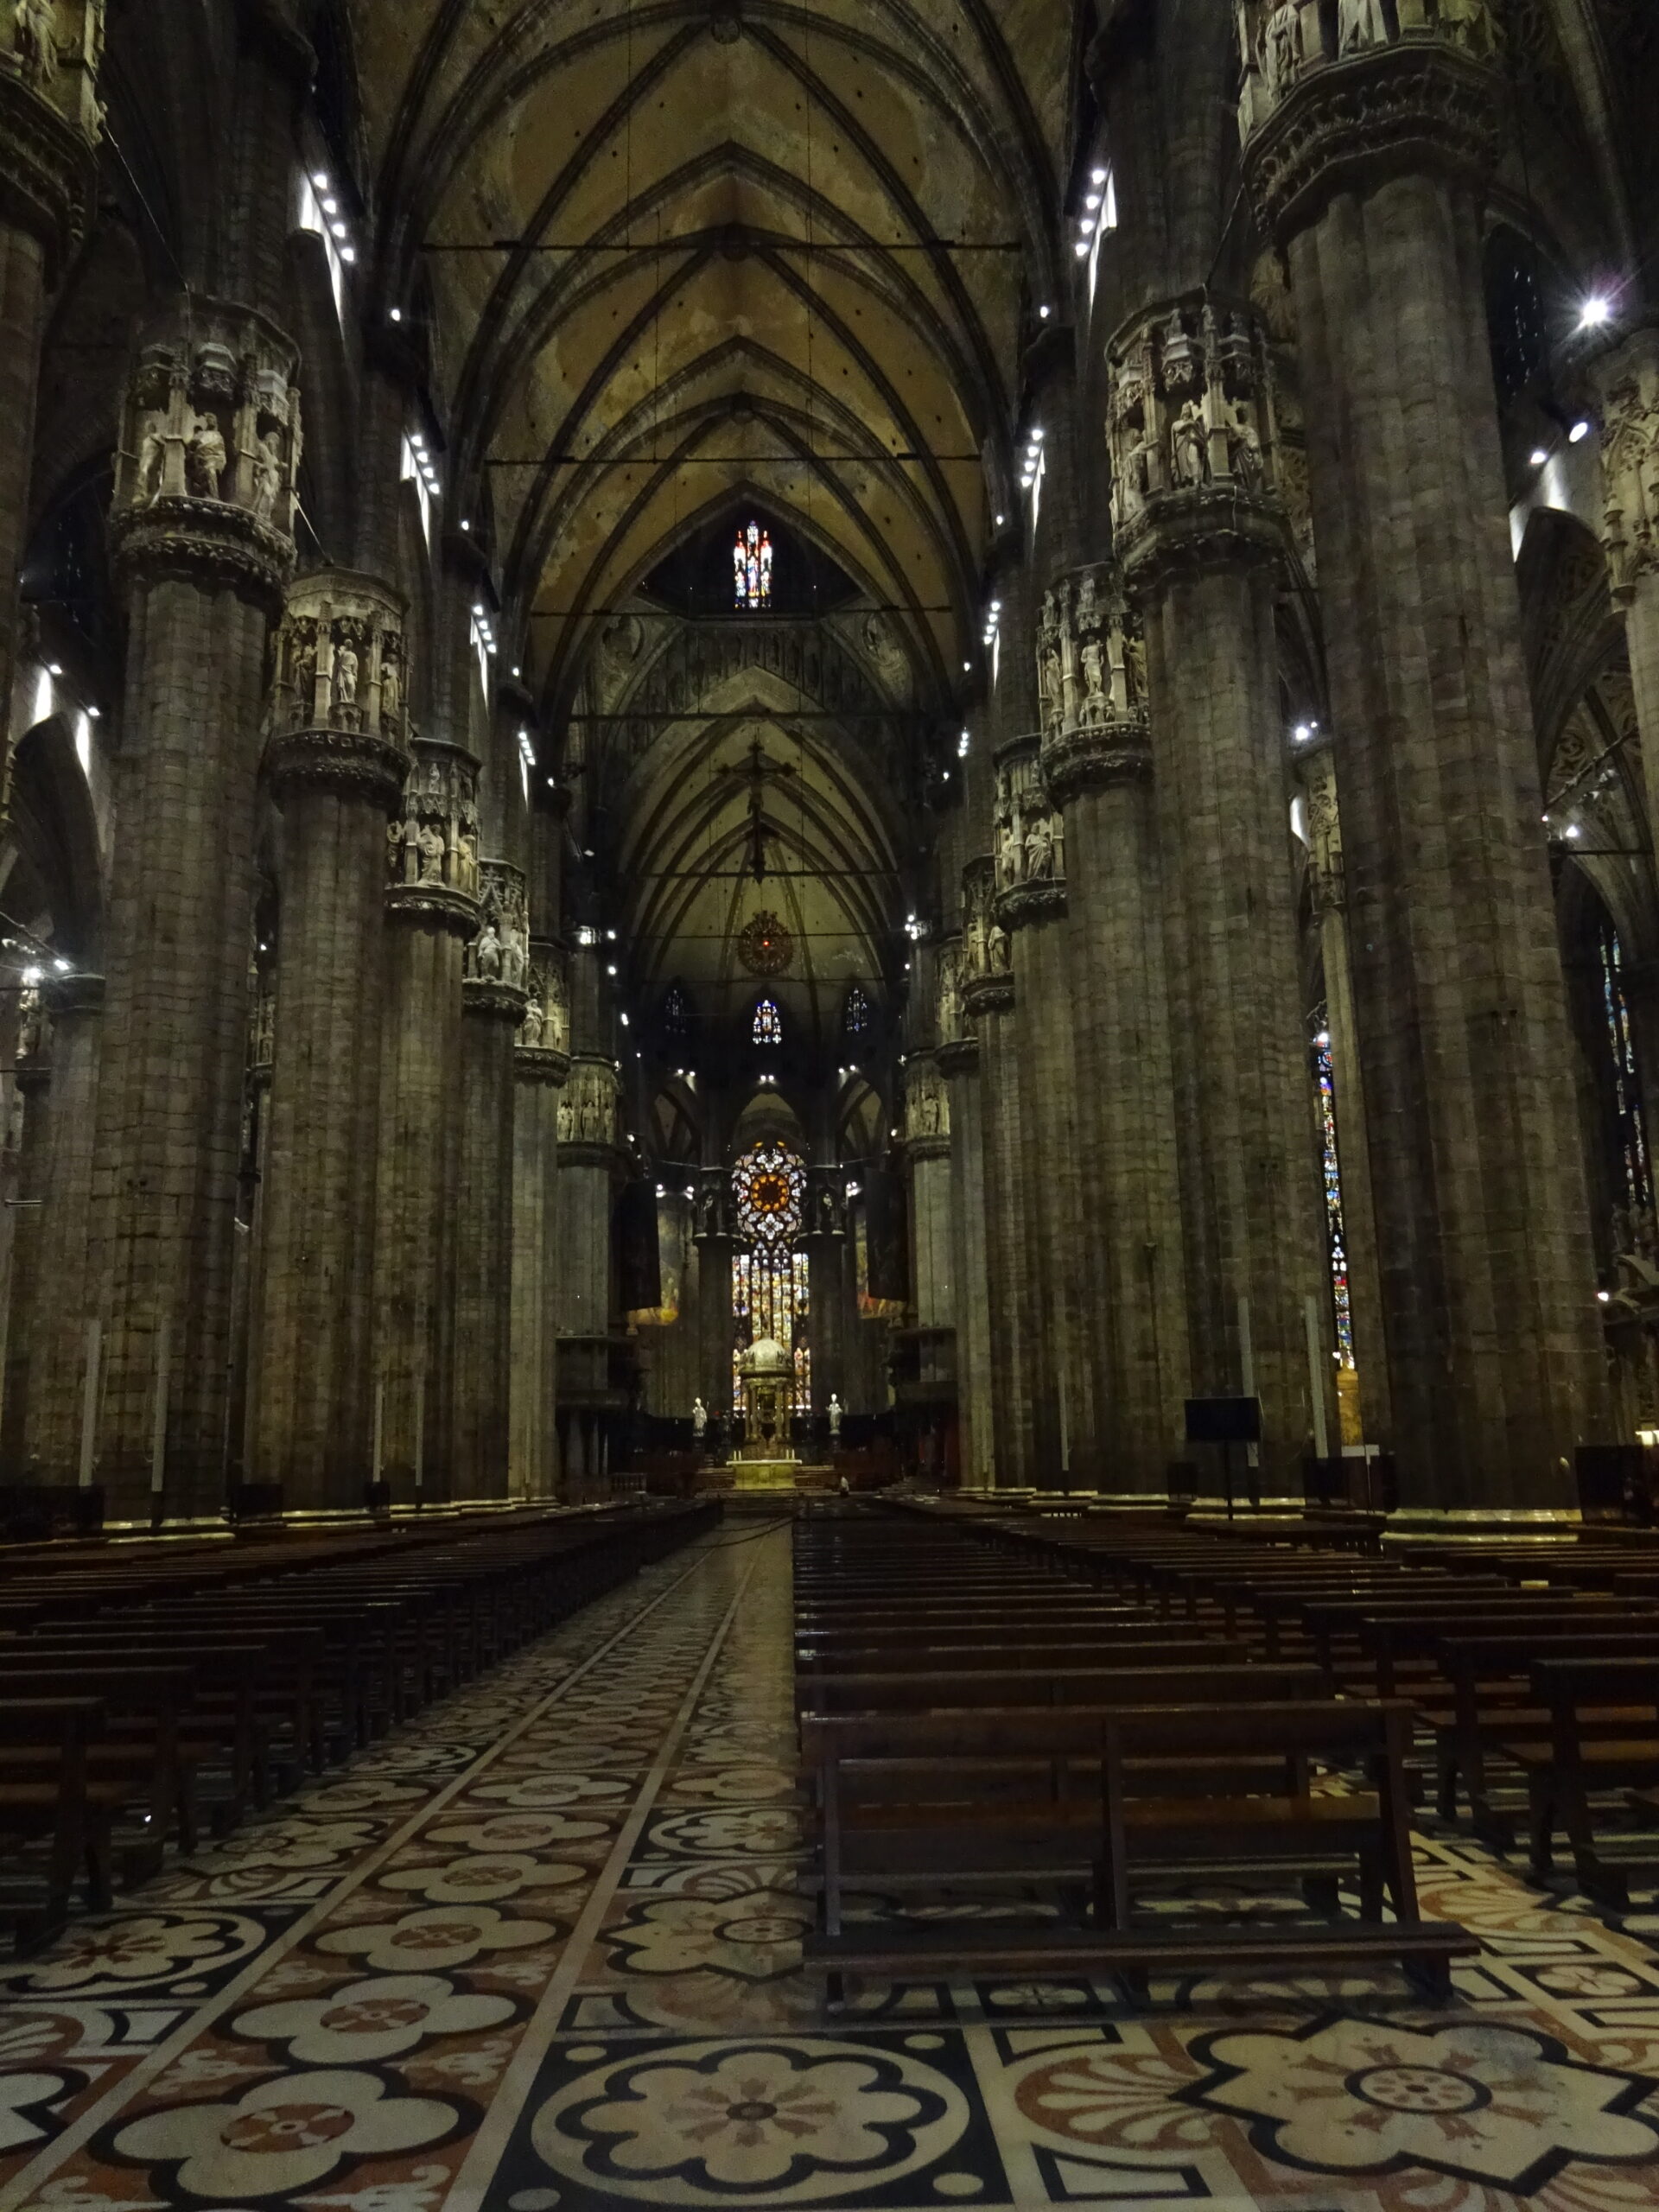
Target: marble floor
537,1953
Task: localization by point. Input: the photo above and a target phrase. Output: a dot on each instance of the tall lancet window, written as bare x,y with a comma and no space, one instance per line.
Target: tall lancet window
1336,1234
1636,1170
770,1277
752,569
768,1023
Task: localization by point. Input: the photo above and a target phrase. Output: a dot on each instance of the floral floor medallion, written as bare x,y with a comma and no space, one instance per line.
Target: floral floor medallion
540,1952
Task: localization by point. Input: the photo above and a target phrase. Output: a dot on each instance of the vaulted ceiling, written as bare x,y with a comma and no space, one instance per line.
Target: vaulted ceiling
681,253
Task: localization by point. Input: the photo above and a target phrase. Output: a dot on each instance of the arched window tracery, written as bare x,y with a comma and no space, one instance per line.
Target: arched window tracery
768,1027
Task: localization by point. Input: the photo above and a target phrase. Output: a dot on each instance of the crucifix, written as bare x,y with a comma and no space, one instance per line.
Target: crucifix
755,774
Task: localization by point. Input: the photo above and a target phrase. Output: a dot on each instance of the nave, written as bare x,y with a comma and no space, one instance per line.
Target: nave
539,1951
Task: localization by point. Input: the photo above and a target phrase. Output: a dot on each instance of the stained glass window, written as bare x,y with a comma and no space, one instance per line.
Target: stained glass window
1336,1234
768,1023
752,569
676,1014
1635,1192
769,1272
858,1012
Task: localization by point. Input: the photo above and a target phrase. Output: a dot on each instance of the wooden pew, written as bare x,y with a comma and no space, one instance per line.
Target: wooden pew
1578,1761
65,1807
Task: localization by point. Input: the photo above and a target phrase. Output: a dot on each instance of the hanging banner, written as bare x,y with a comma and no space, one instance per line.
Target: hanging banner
639,1259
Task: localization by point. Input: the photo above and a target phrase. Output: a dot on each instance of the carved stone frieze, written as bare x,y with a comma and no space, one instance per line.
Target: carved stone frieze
1340,115
1091,673
1030,832
210,449
543,1053
986,949
1192,429
337,710
1630,463
432,852
495,975
51,119
589,1128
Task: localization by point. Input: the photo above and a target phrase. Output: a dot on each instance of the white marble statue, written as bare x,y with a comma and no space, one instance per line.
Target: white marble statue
267,476
1360,24
699,1419
205,458
835,1418
488,954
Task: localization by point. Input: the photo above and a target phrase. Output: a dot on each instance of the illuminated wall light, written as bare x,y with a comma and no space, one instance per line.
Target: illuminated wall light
396,314
1537,458
1596,313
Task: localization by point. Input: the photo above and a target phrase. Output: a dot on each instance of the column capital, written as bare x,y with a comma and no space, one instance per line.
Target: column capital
1318,120
1628,380
544,1034
495,974
207,467
987,978
1091,668
588,1135
51,120
1192,429
1030,856
336,718
927,1108
960,1057
432,853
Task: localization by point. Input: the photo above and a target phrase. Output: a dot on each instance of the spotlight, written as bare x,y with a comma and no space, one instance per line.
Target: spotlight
1596,313
396,314
1537,457
1580,431
1081,249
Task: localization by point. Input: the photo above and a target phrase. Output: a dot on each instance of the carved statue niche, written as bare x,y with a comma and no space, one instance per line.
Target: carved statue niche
1629,464
1360,24
434,846
499,953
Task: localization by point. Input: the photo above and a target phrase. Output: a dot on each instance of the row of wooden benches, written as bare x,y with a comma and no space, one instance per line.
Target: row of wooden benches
142,1698
971,1722
1536,1662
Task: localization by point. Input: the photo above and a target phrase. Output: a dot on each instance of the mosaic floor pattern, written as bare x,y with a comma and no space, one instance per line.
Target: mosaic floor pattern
539,1953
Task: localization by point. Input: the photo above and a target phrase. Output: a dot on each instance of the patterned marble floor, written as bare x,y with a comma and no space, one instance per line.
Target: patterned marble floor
538,1954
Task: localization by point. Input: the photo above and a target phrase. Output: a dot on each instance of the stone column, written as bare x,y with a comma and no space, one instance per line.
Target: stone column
1030,862
1097,762
1368,1350
335,763
927,1157
828,1316
987,1000
1200,532
590,1161
202,534
25,1375
1629,475
958,1060
53,1240
432,916
1370,173
50,124
714,1331
541,1069
494,1003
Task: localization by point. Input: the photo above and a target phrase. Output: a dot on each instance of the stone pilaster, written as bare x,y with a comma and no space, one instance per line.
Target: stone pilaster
432,915
927,1159
202,534
1030,864
1200,532
590,1165
336,762
714,1326
495,1001
56,1234
827,1303
541,1069
987,1001
1097,762
1353,1142
1630,473
1370,172
958,1063
50,124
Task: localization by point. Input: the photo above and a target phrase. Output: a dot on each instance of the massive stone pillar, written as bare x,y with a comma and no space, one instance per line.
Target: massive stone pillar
1370,172
590,1165
1348,1207
335,763
202,538
987,1000
1630,472
432,916
52,1243
1200,533
828,1319
958,1059
926,1369
494,1003
50,124
541,1069
714,1322
1030,862
42,1122
1097,762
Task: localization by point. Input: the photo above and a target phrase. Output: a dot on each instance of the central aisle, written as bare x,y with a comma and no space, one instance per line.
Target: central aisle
539,1953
